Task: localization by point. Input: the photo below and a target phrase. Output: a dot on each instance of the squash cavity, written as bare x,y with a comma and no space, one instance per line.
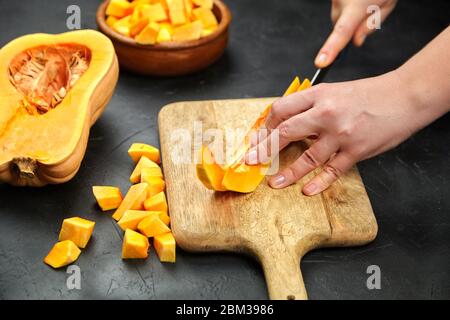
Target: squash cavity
44,74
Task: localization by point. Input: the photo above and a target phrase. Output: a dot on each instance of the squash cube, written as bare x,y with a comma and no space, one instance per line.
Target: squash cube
155,185
163,35
135,245
136,15
137,26
154,12
152,226
135,3
165,247
123,26
149,34
177,17
78,230
108,198
137,150
131,218
188,32
111,20
207,32
144,162
118,8
151,172
164,217
188,7
134,200
206,16
62,254
157,202
204,3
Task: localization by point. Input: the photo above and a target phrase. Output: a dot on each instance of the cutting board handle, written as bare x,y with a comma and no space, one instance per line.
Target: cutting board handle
283,276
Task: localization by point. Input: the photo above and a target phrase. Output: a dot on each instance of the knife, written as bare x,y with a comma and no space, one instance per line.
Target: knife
320,73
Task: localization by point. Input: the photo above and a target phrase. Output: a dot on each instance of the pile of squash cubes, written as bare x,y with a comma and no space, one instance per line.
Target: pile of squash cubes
156,21
141,214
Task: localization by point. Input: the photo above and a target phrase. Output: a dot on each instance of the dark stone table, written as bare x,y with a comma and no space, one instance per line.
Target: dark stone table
271,41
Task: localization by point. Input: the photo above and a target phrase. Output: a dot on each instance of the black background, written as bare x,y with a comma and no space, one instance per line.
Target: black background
271,41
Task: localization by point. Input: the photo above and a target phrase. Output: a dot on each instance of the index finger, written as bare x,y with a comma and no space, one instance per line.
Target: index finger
342,34
289,106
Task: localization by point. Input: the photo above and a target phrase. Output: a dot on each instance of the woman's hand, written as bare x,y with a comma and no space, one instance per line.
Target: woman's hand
356,120
350,19
351,121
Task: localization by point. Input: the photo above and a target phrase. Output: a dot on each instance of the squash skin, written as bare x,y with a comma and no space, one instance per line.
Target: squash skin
90,96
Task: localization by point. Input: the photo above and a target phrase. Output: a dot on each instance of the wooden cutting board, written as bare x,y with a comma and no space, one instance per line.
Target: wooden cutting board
278,227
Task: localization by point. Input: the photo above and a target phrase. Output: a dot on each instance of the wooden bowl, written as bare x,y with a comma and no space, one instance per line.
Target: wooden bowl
171,58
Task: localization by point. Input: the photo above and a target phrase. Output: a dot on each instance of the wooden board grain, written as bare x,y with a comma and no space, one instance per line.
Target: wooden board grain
278,227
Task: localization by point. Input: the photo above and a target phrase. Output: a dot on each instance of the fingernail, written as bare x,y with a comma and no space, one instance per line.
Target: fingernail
277,181
321,59
252,157
310,189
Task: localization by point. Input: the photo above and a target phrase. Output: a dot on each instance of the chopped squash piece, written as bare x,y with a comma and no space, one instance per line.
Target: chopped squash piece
154,12
156,203
155,185
151,172
137,26
135,245
144,162
244,178
188,32
149,34
108,198
188,7
165,247
293,87
136,15
209,172
206,16
123,26
305,85
177,17
137,150
111,20
163,35
164,217
204,3
62,254
177,12
152,226
168,26
207,32
118,8
78,230
131,218
135,3
134,200
162,2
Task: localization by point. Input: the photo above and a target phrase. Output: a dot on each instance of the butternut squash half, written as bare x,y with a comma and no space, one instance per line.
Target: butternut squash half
52,90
